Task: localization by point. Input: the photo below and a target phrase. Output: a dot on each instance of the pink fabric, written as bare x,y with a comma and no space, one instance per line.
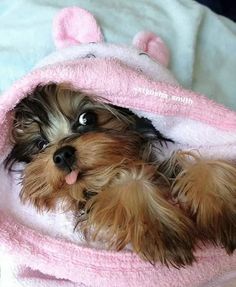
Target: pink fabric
102,268
153,46
119,84
73,26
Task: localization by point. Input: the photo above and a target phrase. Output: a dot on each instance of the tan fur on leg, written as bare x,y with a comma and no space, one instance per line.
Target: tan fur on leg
207,190
132,210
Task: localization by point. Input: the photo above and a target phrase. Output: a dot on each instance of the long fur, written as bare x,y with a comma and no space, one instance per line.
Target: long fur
125,194
206,189
132,209
127,205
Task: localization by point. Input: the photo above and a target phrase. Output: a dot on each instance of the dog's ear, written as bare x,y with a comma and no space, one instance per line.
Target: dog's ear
206,189
143,126
133,210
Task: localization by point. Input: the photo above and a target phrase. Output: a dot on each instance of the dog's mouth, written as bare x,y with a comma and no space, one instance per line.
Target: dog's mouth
65,160
72,176
92,154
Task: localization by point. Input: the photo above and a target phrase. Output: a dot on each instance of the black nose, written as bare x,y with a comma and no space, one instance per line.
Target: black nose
64,157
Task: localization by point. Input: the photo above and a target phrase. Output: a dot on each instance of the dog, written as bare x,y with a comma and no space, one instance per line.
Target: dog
101,161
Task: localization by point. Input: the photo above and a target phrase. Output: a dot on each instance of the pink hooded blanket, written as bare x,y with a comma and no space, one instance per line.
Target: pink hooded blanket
42,249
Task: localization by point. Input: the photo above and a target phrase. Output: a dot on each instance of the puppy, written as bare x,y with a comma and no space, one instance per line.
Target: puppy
102,162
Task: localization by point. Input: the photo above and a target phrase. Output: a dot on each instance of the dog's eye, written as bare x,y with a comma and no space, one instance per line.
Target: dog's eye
87,118
42,143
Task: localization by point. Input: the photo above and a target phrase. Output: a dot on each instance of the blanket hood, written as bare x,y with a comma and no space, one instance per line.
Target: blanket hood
133,77
136,78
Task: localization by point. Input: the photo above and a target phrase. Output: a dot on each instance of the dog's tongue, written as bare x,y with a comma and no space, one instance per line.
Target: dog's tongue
72,177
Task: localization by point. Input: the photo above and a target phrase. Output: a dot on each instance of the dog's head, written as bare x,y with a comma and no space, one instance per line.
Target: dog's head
67,137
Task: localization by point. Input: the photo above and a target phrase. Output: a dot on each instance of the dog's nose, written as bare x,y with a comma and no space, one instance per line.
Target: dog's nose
64,157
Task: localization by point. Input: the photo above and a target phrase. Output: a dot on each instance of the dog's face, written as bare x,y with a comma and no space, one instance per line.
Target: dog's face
94,157
54,113
61,132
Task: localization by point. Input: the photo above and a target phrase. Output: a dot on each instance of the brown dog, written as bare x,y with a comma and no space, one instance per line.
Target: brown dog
102,161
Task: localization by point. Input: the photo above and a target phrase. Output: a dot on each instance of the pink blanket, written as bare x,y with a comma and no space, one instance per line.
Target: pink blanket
43,250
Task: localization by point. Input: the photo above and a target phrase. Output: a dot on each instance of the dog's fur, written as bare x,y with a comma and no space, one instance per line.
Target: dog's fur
124,191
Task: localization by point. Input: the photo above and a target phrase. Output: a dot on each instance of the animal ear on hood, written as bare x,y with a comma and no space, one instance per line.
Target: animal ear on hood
153,45
74,26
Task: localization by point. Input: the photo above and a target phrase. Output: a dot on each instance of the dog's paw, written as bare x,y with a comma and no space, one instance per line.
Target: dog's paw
133,211
226,230
169,244
206,189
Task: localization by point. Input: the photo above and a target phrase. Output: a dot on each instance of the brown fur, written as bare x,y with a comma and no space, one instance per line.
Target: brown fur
128,206
123,192
98,155
132,209
206,189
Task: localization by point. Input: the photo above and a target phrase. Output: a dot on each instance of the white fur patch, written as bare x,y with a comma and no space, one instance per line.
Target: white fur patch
59,128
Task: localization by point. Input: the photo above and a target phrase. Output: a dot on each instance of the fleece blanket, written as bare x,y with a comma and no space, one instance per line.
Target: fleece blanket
42,250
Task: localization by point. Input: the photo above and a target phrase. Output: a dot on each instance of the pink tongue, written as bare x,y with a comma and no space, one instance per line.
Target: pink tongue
72,177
